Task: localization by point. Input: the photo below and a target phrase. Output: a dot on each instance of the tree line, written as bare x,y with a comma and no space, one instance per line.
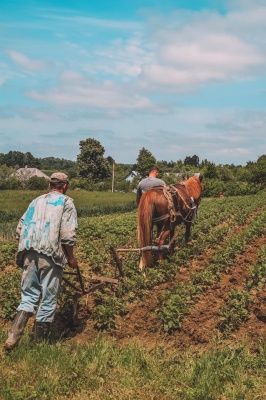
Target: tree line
17,159
93,171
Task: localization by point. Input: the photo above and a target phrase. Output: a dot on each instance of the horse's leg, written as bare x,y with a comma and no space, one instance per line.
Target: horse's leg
141,264
160,237
160,228
161,240
187,233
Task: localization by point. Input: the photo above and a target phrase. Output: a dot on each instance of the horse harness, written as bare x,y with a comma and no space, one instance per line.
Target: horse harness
171,194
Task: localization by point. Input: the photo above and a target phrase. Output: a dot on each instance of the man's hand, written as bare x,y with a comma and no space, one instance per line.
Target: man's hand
73,262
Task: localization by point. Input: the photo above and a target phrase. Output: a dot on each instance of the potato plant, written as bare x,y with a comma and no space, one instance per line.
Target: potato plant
235,311
223,229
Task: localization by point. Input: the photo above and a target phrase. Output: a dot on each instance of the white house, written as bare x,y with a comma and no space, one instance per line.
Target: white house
24,174
131,175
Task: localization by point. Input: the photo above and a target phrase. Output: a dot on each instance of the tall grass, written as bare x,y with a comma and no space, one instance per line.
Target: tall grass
8,229
17,200
104,370
13,203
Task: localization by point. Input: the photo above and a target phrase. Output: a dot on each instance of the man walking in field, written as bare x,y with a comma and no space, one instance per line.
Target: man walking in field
46,235
151,181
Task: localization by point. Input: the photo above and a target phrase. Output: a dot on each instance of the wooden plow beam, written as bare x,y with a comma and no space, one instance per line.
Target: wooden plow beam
98,283
143,249
118,260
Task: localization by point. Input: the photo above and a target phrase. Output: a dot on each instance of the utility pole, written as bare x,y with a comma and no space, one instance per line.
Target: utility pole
113,177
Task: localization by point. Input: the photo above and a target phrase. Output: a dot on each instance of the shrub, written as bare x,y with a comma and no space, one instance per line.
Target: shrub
36,183
9,293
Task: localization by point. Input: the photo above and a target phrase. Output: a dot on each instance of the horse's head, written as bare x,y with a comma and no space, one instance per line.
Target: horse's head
195,187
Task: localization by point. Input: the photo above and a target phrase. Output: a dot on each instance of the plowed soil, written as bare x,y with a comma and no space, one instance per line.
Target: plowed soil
200,328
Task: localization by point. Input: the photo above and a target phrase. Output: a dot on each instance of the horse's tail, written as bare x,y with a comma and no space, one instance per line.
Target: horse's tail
145,214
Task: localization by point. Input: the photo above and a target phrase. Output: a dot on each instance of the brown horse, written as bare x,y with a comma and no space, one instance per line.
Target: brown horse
166,206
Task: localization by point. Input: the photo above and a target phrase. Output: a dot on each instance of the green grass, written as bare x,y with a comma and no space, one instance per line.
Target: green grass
13,200
104,370
13,203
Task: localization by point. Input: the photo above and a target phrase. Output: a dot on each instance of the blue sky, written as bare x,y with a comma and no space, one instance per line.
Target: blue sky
175,77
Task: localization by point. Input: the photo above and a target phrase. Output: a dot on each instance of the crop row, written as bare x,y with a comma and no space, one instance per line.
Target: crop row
217,223
175,303
223,229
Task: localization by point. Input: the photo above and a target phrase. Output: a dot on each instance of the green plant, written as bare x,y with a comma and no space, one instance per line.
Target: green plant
174,307
104,314
257,277
235,311
8,250
9,293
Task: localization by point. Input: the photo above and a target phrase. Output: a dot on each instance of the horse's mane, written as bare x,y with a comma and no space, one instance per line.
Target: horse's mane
194,186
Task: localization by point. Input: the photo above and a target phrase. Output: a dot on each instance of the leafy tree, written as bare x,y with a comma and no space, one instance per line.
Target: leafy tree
203,163
92,165
5,173
71,173
210,171
110,160
30,161
17,159
258,171
165,166
243,174
14,158
178,166
212,187
194,160
145,160
58,164
2,159
225,173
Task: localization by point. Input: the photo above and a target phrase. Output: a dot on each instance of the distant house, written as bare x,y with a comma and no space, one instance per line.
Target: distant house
131,176
24,174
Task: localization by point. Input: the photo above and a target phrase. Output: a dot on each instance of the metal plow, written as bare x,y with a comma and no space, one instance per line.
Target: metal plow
98,282
81,290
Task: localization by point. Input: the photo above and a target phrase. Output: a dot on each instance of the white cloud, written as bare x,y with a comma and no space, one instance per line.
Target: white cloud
232,152
103,23
26,63
209,52
123,78
75,89
124,57
207,47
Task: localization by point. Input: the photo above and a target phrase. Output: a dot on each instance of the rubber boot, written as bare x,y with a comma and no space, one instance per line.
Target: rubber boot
17,328
41,331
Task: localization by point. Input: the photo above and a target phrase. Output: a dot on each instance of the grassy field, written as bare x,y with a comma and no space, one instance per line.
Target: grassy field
225,362
13,203
104,370
12,200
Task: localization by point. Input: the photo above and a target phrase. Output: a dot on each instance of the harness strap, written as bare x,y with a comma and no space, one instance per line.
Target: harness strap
165,216
169,193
